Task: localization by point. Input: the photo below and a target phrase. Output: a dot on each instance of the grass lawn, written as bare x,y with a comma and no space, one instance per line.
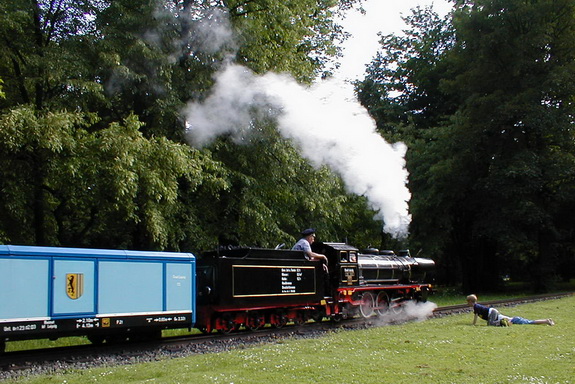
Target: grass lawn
445,350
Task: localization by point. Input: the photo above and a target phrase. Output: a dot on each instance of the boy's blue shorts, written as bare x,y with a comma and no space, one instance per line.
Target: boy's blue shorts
520,320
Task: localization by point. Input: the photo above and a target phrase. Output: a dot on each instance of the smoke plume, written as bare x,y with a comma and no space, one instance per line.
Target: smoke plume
328,129
409,311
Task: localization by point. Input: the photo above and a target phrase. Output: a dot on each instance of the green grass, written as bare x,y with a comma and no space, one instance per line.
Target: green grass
445,350
45,343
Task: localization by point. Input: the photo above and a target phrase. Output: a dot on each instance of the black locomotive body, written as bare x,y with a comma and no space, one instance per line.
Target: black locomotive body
385,267
252,287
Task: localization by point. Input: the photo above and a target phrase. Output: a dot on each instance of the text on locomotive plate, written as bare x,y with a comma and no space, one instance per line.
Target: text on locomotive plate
253,280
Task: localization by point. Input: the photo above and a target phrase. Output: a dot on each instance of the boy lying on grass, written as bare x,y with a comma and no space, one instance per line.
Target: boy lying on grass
495,318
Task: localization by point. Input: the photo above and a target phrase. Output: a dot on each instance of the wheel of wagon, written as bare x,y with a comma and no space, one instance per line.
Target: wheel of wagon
300,318
118,338
382,303
278,320
96,339
225,324
255,321
367,305
317,315
147,335
336,318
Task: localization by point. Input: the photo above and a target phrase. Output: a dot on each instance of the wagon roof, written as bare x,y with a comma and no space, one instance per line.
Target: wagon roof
37,251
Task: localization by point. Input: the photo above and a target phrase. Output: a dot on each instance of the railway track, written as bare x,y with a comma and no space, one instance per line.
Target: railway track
463,308
55,359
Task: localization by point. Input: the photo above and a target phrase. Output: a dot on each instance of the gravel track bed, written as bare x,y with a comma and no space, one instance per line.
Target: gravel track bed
133,354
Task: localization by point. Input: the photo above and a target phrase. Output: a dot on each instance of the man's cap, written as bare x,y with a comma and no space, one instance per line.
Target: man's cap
307,232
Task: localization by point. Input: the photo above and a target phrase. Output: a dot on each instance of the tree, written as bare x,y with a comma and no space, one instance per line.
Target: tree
402,86
302,35
515,64
92,127
402,93
275,193
42,50
62,185
489,183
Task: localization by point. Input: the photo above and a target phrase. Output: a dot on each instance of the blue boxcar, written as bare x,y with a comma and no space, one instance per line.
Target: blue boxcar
48,292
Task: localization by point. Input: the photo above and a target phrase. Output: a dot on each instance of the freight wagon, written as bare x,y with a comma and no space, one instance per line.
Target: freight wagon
114,295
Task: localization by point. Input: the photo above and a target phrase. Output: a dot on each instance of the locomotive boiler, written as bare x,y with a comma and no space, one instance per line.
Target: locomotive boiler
385,267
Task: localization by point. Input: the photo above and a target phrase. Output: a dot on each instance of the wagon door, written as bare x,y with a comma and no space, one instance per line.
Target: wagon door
73,287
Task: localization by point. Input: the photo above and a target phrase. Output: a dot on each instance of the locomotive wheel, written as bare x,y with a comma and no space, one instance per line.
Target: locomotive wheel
382,303
226,325
299,319
396,305
255,321
278,320
317,315
367,305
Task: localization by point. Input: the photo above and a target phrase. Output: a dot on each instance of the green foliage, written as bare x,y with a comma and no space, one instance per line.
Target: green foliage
402,85
30,144
521,83
294,36
111,188
92,130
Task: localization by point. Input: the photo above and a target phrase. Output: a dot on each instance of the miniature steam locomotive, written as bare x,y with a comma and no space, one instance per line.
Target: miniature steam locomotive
253,287
109,295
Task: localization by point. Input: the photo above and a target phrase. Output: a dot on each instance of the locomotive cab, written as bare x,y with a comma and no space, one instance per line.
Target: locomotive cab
343,263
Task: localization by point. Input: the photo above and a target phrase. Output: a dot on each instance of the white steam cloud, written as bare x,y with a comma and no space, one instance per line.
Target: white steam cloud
408,311
211,31
328,128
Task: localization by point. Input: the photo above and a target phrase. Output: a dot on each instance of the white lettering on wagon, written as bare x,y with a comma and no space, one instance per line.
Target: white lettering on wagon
87,322
165,319
20,328
49,324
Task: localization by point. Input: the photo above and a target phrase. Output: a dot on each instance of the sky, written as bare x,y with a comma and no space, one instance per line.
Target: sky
381,16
